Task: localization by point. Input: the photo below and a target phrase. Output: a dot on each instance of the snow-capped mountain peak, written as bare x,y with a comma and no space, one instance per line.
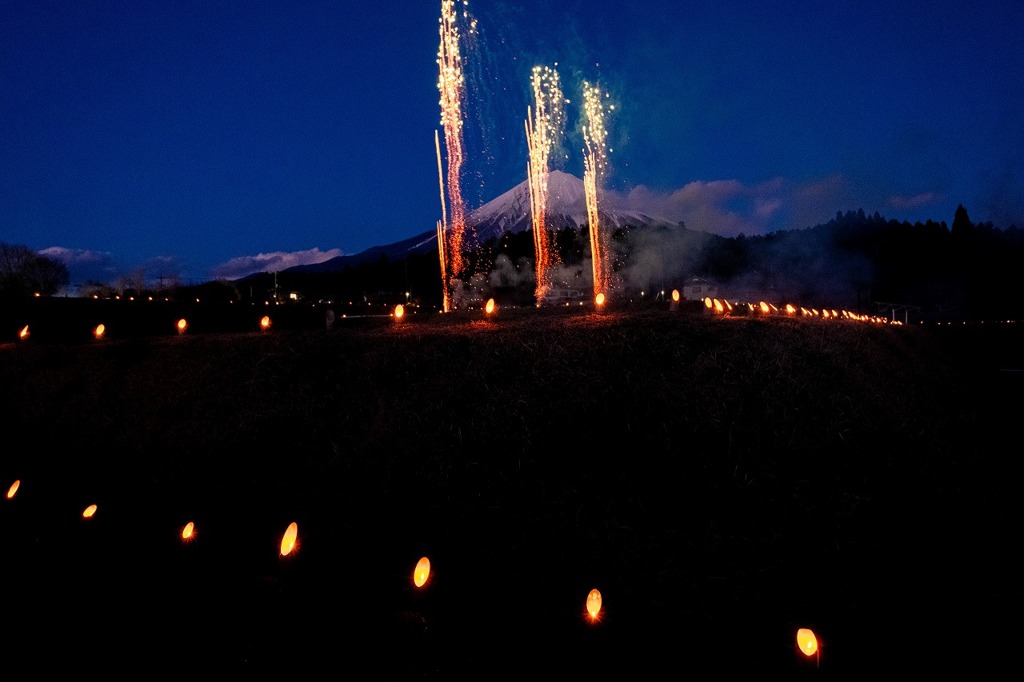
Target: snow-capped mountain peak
566,207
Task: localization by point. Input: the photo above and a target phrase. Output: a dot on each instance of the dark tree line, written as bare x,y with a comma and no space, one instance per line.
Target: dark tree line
859,259
24,273
855,261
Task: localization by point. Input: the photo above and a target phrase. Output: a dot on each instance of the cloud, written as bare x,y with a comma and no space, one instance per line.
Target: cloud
240,266
84,265
731,207
915,201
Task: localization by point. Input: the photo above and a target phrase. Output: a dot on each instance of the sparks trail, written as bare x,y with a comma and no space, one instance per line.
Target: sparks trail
452,88
544,128
442,251
595,161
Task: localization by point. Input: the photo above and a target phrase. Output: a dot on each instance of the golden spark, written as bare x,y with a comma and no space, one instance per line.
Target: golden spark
595,162
544,128
452,87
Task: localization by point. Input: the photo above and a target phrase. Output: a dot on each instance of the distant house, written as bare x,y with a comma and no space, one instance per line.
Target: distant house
697,288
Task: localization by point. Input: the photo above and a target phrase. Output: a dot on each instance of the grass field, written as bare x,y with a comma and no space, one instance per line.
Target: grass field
721,481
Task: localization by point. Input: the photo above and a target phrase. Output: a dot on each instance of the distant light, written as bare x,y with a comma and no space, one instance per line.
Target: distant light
182,325
99,331
675,295
599,299
265,322
13,490
89,512
399,311
23,334
188,531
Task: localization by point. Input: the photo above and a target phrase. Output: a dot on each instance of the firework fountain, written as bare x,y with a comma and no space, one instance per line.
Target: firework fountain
595,162
544,127
451,85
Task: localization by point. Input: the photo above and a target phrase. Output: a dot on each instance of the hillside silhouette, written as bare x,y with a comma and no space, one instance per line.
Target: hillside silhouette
854,260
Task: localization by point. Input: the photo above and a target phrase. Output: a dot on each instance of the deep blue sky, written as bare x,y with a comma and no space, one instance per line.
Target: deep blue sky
200,139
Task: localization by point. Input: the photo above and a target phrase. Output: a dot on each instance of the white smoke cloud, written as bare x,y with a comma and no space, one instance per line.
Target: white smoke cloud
240,266
506,274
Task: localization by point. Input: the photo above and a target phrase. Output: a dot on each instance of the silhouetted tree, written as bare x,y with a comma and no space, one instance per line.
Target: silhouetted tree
23,272
961,222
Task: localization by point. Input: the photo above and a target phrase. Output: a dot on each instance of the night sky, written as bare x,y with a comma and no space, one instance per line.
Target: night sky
213,139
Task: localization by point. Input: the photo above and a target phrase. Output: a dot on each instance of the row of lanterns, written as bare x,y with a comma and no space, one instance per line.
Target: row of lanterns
725,307
100,330
806,640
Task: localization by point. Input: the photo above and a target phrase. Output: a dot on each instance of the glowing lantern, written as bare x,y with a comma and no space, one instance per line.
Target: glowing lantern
489,308
422,572
188,531
594,604
290,537
599,299
89,511
806,642
23,334
265,322
675,295
99,331
182,325
399,311
13,490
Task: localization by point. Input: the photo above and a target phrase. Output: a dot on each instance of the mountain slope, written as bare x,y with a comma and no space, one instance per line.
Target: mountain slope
567,207
508,212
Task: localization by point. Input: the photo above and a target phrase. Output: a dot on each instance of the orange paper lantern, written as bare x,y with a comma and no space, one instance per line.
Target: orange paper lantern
421,573
594,604
807,642
289,539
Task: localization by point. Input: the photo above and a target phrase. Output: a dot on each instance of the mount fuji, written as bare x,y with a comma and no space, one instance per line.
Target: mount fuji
510,212
566,207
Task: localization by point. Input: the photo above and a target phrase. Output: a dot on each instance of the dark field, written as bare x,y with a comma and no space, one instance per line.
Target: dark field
721,481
